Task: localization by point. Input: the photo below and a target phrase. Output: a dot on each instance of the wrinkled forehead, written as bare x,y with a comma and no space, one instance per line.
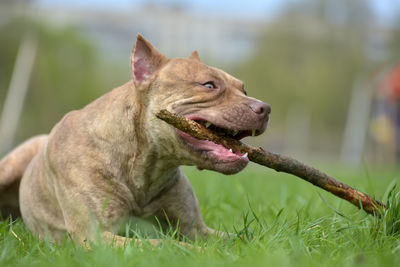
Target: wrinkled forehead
194,71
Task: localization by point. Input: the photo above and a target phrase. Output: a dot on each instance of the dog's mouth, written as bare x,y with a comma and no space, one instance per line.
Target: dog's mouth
219,156
231,133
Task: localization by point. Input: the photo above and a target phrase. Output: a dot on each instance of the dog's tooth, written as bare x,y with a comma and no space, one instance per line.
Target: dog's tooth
208,124
235,132
245,155
253,132
230,150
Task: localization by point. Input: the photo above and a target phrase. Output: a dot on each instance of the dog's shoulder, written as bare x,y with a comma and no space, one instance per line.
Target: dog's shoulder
78,128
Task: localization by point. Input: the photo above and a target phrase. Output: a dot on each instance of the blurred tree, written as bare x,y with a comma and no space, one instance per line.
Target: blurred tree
67,74
310,56
394,42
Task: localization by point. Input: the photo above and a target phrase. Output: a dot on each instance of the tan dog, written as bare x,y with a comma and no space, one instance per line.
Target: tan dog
113,159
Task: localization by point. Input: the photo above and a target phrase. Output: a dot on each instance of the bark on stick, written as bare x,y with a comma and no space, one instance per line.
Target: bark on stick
277,162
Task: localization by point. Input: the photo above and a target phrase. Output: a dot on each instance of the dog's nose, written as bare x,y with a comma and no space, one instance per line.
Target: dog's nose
260,108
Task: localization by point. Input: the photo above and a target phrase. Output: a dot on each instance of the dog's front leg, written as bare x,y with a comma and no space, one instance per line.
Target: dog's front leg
84,229
179,206
92,214
120,241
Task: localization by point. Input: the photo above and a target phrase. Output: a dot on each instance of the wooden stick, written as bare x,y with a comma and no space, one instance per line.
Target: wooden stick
277,162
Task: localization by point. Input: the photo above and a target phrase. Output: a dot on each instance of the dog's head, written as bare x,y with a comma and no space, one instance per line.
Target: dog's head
205,94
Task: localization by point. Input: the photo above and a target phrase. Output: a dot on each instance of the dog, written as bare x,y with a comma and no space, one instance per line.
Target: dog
113,160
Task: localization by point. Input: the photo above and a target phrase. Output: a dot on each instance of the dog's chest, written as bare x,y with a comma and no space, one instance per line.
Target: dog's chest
147,181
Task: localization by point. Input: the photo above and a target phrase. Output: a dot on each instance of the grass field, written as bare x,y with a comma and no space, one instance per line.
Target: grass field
280,221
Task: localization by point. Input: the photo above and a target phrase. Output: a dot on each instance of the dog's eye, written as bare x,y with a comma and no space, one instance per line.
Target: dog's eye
244,91
209,85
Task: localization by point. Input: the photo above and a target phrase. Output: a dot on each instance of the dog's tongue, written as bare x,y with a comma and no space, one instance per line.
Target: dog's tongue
218,150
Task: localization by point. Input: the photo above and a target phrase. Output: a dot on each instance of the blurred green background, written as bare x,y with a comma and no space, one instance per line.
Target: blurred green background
311,60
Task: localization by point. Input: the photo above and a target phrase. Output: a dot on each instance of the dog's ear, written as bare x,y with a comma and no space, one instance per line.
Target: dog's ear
195,56
145,60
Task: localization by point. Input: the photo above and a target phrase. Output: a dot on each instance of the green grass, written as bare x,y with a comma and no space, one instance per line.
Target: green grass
279,220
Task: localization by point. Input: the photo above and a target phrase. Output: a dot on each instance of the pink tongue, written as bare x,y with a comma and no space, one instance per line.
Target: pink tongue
220,150
210,146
